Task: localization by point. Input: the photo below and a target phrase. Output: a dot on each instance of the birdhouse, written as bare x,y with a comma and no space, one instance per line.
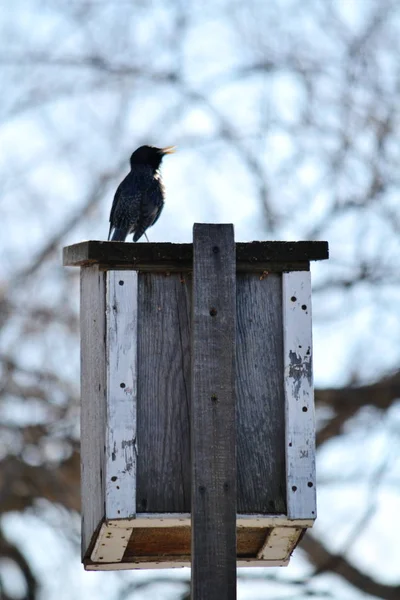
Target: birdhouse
195,352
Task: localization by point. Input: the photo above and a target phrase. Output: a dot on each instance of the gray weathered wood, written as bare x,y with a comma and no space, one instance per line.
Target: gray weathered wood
254,256
163,478
260,396
299,397
213,431
93,389
121,348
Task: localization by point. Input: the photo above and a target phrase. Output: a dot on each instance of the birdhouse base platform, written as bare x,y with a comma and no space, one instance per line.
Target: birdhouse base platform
161,541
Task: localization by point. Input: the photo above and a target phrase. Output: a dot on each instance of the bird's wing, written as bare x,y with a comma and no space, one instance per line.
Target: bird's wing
151,205
157,213
154,200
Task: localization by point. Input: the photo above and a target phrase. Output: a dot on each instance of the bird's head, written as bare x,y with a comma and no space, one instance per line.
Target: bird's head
150,155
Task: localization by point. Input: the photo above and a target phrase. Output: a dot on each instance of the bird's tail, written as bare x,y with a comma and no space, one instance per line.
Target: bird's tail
141,230
119,234
138,235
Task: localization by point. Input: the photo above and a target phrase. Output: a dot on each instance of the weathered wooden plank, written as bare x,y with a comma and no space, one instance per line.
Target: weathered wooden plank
161,520
260,395
163,477
279,543
253,256
262,269
299,397
174,564
272,521
170,542
111,543
213,431
121,447
93,411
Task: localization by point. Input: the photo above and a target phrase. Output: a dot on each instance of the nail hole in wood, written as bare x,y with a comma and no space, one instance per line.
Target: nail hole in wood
310,484
215,249
304,409
304,306
213,312
122,385
121,282
114,478
294,488
293,298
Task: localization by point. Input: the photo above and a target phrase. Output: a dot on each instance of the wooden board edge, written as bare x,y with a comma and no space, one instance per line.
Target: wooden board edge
121,396
281,540
299,396
92,414
110,544
179,564
253,253
161,520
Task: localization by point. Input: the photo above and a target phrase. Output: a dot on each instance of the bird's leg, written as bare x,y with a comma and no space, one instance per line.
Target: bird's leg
145,235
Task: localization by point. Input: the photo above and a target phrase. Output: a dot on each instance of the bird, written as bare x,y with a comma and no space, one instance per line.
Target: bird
139,198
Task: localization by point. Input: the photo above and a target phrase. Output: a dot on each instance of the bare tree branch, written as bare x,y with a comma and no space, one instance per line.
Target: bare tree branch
324,561
346,402
11,552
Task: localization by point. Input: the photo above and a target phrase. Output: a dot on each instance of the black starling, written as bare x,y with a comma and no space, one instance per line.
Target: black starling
139,198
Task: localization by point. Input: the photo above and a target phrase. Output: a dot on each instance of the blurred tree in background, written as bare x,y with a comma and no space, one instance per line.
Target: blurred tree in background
286,115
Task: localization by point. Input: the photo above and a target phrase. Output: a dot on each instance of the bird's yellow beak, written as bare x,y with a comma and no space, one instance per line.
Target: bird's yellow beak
169,150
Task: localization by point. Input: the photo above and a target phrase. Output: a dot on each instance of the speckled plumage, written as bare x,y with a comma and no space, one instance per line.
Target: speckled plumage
139,198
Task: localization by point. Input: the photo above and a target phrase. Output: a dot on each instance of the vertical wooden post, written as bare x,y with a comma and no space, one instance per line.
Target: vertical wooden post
213,428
